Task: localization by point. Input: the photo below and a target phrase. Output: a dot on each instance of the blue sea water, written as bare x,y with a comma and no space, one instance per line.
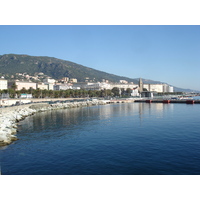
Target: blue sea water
196,98
117,139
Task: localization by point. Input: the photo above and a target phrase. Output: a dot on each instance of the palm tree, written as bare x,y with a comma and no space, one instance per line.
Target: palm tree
37,93
23,90
14,86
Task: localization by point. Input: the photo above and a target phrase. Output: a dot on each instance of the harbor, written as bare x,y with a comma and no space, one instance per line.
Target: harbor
113,139
187,101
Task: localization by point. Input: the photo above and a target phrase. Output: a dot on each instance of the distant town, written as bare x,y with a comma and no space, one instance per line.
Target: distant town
25,83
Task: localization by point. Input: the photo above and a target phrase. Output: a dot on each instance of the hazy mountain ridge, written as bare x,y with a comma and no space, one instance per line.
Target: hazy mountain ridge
57,69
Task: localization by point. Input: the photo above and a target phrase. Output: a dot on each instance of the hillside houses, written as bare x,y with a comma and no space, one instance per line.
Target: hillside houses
47,83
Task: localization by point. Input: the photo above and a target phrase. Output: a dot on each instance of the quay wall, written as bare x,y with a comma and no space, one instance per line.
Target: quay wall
170,101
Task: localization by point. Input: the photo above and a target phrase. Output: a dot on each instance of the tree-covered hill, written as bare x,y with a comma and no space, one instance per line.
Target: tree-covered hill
53,67
56,68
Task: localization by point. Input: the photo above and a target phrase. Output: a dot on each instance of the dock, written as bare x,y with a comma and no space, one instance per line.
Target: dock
167,101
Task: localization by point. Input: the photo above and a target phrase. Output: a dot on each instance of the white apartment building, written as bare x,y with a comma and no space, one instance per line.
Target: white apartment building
135,92
168,88
103,85
3,84
49,80
96,86
153,87
50,86
91,86
158,87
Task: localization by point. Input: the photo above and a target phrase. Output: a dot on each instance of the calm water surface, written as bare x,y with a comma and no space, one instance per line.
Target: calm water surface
119,139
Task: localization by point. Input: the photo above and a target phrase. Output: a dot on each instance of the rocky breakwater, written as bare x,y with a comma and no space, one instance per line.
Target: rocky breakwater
45,106
8,122
10,116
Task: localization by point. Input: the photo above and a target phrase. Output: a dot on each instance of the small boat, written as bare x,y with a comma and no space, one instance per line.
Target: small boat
185,98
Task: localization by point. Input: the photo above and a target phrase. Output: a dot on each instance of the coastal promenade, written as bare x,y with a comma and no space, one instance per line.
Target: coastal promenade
10,102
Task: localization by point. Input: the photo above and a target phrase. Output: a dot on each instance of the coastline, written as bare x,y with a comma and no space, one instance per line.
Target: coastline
10,116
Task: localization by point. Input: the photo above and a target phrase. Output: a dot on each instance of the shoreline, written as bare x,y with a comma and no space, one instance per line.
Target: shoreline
10,116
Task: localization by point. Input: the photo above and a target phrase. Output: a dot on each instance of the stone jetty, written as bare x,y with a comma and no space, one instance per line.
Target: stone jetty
10,116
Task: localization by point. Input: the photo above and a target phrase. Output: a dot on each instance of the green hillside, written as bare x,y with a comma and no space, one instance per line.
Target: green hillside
53,67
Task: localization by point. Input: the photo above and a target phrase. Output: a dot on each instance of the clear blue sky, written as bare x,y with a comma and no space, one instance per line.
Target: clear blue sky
163,53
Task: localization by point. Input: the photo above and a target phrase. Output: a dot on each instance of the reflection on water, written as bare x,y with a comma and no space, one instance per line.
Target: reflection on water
153,110
133,138
54,120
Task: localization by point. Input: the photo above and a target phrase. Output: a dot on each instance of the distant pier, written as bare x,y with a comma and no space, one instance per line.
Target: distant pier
187,101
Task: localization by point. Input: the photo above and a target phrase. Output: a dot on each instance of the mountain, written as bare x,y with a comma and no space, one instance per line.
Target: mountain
56,68
53,67
11,64
176,89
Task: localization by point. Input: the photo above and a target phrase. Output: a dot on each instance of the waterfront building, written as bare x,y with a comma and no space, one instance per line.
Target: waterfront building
92,86
167,88
123,86
135,92
158,88
79,84
50,86
153,87
3,84
170,88
62,87
104,85
49,82
42,86
22,84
